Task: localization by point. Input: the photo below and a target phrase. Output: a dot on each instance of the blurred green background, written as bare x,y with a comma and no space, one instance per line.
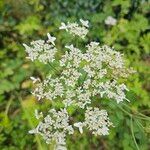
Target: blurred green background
24,20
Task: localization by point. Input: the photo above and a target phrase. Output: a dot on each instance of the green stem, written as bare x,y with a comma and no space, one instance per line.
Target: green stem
85,77
140,125
138,113
83,80
53,67
8,106
132,132
130,114
125,111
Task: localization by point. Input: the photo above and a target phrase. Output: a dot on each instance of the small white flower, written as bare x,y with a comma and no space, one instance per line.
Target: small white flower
51,39
38,115
80,126
63,26
69,47
75,29
89,71
33,131
35,79
110,21
104,130
85,22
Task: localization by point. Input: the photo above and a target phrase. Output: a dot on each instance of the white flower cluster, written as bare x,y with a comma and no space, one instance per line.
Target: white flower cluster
91,66
110,21
83,75
75,28
41,50
54,127
96,121
50,88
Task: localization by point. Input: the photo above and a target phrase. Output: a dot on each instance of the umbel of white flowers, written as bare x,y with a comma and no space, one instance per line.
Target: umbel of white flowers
82,76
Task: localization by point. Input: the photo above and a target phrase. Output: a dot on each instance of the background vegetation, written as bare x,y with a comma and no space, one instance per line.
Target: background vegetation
24,20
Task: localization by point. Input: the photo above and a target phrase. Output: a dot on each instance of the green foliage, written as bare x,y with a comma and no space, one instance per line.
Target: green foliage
29,25
24,20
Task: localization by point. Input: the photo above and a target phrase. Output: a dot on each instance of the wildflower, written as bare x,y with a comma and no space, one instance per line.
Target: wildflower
85,22
51,39
75,28
38,115
50,89
96,57
63,26
80,126
41,51
34,131
54,127
35,79
84,76
110,21
97,121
